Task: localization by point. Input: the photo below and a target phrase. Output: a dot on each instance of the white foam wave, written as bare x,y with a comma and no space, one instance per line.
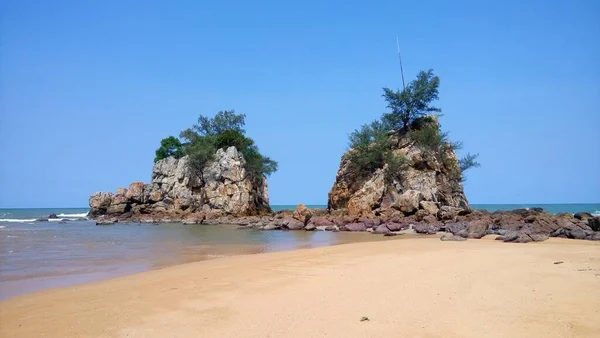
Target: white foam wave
81,215
596,213
15,220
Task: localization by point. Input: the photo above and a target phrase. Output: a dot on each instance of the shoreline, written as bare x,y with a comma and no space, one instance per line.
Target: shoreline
106,268
412,287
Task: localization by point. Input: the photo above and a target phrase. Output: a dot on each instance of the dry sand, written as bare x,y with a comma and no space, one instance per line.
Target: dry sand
406,287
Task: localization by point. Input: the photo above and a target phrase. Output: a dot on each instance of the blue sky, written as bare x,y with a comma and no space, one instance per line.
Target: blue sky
88,89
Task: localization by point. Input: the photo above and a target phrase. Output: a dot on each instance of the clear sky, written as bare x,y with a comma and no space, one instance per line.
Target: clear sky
89,88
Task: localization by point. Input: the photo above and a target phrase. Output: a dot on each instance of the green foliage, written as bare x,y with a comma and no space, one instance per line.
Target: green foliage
413,102
169,146
370,145
224,130
225,120
468,161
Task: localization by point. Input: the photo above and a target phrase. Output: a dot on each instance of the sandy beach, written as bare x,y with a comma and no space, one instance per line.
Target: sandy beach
410,287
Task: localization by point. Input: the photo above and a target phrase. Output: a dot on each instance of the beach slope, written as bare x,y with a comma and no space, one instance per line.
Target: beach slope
419,287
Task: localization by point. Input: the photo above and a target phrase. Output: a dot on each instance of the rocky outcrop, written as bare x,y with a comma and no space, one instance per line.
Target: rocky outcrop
177,191
425,182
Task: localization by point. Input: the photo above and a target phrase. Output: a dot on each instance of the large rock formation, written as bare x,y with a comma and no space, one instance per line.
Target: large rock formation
426,182
177,190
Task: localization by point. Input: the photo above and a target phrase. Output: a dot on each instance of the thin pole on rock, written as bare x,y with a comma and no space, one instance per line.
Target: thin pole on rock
400,58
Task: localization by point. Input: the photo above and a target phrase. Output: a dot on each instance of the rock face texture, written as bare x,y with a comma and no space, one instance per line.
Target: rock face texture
425,183
177,190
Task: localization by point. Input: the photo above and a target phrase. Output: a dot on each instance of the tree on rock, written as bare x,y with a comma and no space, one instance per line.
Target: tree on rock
413,102
169,146
224,130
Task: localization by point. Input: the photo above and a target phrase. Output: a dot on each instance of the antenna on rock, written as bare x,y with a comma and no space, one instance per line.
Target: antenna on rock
400,58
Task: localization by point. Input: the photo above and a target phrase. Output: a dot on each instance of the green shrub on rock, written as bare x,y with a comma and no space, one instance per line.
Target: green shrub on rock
203,139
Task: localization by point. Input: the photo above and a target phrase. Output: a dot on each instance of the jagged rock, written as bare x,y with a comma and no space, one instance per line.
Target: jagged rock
371,194
431,207
222,188
409,201
135,193
302,213
100,200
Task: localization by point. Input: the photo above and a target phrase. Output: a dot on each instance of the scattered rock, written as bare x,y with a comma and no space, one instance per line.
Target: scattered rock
355,227
558,262
302,214
364,319
310,227
430,206
425,229
451,237
382,230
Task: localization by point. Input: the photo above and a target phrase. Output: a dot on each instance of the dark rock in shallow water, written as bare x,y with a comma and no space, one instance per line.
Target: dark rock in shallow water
355,227
310,227
41,220
106,222
331,228
272,226
292,224
52,216
382,230
396,226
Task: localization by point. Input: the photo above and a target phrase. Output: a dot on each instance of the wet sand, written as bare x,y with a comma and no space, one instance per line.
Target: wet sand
406,287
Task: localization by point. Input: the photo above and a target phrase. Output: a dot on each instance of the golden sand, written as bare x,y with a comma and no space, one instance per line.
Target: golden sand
418,287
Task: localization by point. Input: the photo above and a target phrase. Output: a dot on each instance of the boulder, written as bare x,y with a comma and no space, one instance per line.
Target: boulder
409,201
396,226
594,223
355,227
272,226
52,216
100,200
430,206
450,237
426,229
302,213
292,224
135,193
310,227
381,230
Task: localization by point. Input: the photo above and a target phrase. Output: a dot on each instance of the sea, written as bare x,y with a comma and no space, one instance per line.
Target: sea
36,255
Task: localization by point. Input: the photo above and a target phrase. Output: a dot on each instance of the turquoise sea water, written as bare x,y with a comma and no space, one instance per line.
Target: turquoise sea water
36,255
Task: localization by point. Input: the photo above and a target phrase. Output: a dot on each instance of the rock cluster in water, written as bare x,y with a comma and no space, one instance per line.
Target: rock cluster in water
177,191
